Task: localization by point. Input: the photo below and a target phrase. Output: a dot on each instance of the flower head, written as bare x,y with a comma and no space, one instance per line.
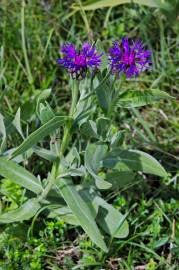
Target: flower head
78,62
129,57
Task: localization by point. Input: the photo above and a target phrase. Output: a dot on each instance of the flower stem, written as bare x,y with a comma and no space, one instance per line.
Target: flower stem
50,182
67,135
64,144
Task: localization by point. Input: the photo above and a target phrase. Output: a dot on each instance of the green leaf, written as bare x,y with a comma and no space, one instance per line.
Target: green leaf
118,138
66,214
17,122
93,156
39,134
110,219
19,175
24,212
103,124
43,96
92,5
44,153
73,158
81,211
104,58
28,110
74,172
136,98
135,160
161,242
89,129
119,179
20,158
104,92
3,133
45,113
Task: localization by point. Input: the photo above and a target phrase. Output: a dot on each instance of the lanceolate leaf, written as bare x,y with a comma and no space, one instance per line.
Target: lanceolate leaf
17,122
103,126
42,97
81,211
92,5
136,98
110,219
44,153
39,134
93,157
45,113
19,175
89,129
105,93
120,178
24,212
66,214
135,160
3,133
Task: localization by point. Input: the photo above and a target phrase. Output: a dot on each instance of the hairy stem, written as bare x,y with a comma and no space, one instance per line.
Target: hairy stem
67,134
64,144
50,182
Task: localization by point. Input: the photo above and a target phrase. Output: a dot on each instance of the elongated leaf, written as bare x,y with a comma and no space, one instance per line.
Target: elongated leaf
24,212
44,153
105,92
135,160
136,98
66,214
93,157
39,134
19,175
81,211
42,97
92,5
20,158
74,172
73,158
118,138
89,129
3,133
119,179
45,113
107,217
103,126
28,110
17,122
110,219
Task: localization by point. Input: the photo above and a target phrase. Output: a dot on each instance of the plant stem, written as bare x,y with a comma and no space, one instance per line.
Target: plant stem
64,144
67,129
50,182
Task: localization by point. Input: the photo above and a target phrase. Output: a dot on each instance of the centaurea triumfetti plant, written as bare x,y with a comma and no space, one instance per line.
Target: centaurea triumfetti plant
79,62
85,147
129,57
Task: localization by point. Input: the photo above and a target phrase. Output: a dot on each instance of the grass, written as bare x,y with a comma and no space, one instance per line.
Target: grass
31,34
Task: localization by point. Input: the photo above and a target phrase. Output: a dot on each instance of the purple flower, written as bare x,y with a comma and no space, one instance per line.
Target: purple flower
129,57
78,62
